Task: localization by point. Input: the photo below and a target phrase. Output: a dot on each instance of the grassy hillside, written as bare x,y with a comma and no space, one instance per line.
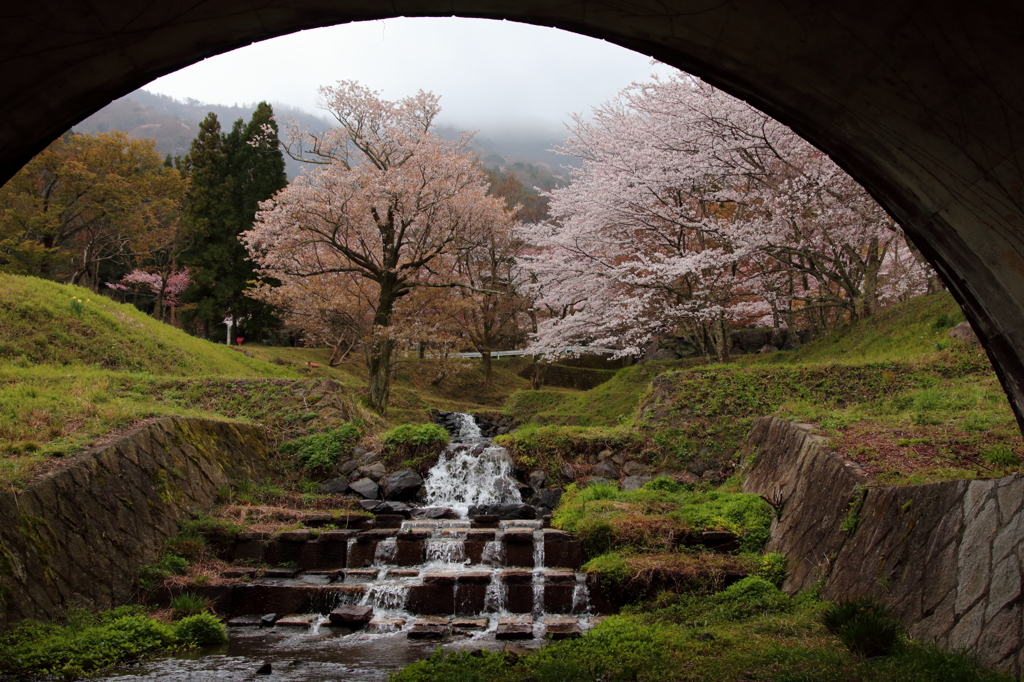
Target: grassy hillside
893,393
77,368
39,325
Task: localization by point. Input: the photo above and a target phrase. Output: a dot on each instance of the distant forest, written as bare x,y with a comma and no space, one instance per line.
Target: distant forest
174,123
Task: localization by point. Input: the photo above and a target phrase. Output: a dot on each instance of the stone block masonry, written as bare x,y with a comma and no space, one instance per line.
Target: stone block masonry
946,557
80,535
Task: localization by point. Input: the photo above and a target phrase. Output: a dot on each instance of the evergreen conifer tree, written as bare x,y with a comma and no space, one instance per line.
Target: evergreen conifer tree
230,175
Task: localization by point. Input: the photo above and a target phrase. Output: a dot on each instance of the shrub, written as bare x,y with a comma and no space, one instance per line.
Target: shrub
774,568
187,604
321,451
151,575
85,644
414,446
612,567
201,629
864,626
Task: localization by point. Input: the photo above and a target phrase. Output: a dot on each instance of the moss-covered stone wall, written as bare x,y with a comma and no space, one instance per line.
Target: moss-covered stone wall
79,535
946,557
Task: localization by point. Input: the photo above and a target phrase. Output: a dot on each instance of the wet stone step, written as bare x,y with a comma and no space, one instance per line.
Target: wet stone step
248,620
247,573
556,576
361,575
384,626
469,623
351,616
396,573
515,627
562,627
430,627
287,572
296,620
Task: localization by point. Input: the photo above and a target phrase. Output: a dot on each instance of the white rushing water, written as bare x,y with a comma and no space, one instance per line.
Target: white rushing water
471,471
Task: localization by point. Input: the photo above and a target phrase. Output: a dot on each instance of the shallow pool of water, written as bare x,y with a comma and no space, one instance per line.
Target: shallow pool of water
294,658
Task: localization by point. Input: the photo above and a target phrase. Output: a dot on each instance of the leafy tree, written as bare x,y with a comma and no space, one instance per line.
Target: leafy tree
83,202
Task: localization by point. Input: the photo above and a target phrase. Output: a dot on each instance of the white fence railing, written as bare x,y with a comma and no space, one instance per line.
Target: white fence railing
579,350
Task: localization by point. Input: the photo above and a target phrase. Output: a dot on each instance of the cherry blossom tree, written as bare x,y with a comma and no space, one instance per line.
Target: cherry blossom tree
166,289
387,203
692,210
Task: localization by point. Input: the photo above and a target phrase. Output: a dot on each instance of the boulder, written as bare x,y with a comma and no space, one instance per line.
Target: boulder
548,497
595,480
712,476
537,478
366,487
662,354
618,459
334,486
686,477
347,467
401,485
351,616
375,506
605,469
630,483
367,457
510,512
964,333
768,348
635,469
374,471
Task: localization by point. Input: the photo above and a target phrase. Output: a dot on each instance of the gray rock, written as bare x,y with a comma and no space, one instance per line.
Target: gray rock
768,348
334,486
697,467
537,478
366,487
367,458
375,471
712,476
663,354
635,469
964,333
630,483
605,469
401,485
347,467
375,506
604,454
618,459
567,472
548,497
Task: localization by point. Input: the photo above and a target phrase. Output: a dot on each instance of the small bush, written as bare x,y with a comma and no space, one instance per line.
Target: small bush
320,451
612,567
864,626
187,604
151,575
201,629
774,568
414,446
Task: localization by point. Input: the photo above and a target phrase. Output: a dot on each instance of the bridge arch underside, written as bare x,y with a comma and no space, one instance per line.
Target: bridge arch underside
921,100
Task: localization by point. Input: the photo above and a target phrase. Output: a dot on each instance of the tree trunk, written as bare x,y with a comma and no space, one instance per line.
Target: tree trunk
485,356
378,363
378,356
720,335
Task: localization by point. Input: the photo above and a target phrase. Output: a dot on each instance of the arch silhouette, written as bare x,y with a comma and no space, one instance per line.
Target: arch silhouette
922,101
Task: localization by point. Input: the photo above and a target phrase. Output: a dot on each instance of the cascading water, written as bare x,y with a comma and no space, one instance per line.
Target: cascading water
471,471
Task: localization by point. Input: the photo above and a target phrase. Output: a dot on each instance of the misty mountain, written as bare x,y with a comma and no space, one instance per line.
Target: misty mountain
173,124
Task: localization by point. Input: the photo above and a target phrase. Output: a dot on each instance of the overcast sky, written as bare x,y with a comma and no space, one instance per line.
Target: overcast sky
489,74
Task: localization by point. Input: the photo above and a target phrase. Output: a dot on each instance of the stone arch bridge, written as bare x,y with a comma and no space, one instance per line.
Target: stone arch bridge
922,101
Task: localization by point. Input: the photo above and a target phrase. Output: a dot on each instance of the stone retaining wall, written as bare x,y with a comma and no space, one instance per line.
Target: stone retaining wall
79,536
947,557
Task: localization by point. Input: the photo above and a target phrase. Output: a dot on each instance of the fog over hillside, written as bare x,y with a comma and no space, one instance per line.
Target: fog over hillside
173,123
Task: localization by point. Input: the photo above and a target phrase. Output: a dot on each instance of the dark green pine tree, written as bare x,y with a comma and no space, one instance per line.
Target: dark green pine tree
230,175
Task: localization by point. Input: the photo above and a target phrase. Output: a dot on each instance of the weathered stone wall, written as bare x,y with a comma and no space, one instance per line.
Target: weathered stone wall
947,557
80,535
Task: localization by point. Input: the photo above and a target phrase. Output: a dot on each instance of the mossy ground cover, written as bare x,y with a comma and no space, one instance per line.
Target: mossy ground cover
750,631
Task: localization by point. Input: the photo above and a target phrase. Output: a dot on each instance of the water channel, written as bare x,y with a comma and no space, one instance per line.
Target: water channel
465,586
